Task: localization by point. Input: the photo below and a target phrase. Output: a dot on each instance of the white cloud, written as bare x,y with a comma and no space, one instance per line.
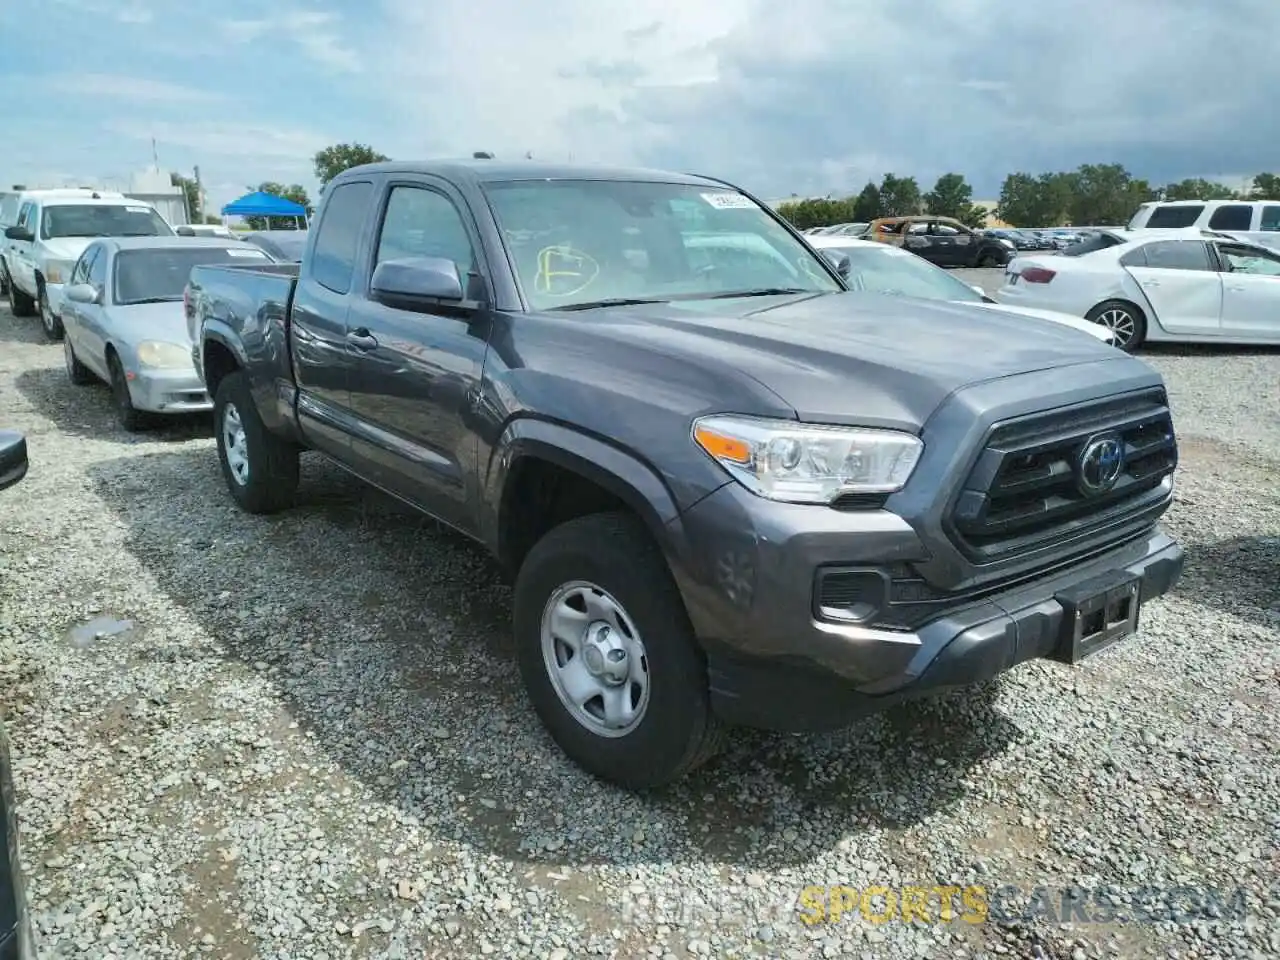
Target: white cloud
130,11
297,147
137,89
317,33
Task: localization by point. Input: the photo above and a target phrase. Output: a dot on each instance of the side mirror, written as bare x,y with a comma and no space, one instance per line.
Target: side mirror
83,293
838,260
18,233
416,282
977,289
186,232
13,458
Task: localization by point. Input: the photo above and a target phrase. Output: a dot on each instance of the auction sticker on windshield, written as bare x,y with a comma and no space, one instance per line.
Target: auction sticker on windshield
138,209
258,254
728,201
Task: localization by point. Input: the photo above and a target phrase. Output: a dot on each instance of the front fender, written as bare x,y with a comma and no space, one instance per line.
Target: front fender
631,479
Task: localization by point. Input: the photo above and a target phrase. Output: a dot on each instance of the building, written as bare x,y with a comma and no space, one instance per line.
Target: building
151,186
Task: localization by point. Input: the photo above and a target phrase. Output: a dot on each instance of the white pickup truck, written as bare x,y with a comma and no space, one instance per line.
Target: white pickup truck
52,229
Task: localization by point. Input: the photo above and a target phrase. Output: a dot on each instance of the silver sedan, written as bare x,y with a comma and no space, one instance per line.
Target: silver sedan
126,323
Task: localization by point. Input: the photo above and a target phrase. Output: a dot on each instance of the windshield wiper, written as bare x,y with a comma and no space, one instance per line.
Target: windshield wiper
612,302
130,303
760,292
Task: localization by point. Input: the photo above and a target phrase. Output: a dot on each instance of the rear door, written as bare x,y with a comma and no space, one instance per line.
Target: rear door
1181,282
322,362
1250,292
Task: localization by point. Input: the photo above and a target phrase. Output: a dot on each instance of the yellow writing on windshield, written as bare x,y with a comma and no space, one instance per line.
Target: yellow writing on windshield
564,271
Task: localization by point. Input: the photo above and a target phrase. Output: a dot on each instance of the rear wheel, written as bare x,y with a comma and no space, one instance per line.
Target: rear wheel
260,469
51,324
1126,322
608,656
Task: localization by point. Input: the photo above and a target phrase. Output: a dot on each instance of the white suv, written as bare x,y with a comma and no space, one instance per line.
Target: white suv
1226,216
52,229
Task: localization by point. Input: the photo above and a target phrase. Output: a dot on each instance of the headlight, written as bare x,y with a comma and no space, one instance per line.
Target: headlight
807,463
1008,243
152,353
58,271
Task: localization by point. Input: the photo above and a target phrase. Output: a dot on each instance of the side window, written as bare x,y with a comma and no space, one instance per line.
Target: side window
1178,255
1250,261
943,230
1270,220
916,229
1235,216
423,223
1179,216
333,258
98,269
81,273
25,219
1137,257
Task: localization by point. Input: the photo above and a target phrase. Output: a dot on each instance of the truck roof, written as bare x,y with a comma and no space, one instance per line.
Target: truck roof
490,171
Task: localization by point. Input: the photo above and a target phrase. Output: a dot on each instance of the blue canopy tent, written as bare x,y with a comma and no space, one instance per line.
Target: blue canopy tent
259,204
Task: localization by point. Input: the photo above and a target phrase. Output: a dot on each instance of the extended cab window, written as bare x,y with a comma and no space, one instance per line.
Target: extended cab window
423,223
333,259
1236,216
1179,216
1178,255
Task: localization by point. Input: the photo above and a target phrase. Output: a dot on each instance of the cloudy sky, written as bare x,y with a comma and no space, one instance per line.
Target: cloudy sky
803,96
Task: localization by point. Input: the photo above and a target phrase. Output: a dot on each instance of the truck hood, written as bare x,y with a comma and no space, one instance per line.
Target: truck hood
66,248
855,357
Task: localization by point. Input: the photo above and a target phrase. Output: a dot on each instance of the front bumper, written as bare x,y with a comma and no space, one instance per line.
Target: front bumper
774,661
169,391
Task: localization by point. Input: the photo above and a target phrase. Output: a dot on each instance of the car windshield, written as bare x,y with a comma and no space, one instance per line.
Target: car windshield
580,242
893,271
155,276
102,220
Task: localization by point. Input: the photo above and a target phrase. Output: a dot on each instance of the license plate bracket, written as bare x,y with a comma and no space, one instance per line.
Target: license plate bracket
1097,614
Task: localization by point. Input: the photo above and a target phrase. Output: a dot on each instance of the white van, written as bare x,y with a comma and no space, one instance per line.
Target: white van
52,229
1227,216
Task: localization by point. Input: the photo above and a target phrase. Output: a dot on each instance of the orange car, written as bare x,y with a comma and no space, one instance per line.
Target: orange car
940,240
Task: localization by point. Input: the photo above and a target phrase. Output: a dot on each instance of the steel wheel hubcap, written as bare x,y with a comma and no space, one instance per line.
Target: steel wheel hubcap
233,443
595,658
1119,322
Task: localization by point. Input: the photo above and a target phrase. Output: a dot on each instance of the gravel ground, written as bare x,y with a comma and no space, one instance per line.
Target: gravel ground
312,742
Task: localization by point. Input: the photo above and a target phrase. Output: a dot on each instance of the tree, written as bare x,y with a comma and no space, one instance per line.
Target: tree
819,212
899,196
1266,186
1031,201
1106,193
952,197
295,192
1198,189
332,160
191,193
866,207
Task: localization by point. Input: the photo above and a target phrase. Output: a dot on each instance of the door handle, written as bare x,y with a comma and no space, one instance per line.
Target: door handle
1151,283
362,339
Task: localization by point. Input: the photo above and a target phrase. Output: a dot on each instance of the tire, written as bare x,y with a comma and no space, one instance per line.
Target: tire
19,302
130,417
1130,333
260,469
51,325
612,559
4,278
77,372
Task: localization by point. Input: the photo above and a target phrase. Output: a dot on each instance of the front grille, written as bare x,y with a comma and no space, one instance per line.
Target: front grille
1025,490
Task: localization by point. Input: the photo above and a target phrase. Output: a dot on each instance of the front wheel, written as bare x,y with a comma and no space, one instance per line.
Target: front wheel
51,325
130,417
260,469
77,372
21,304
608,655
1128,324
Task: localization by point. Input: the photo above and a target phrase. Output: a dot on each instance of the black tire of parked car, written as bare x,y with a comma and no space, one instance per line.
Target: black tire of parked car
1135,314
130,417
273,462
19,303
615,552
50,324
77,372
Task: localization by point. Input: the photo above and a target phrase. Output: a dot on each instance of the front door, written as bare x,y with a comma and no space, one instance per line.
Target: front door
21,265
418,372
1180,282
322,362
91,341
1250,292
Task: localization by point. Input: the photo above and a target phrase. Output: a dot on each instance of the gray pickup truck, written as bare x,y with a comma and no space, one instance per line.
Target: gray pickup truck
729,490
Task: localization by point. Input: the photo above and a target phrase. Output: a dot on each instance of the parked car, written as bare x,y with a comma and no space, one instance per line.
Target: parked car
1186,286
941,240
126,322
1230,216
1019,240
17,939
284,246
53,228
880,268
728,490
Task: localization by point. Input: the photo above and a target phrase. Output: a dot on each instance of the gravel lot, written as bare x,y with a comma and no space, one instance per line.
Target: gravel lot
313,743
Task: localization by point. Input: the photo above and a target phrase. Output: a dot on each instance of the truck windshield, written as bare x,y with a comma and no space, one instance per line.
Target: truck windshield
577,242
154,276
102,220
889,270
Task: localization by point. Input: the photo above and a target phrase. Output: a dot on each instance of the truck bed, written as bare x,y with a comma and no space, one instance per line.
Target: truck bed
231,293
